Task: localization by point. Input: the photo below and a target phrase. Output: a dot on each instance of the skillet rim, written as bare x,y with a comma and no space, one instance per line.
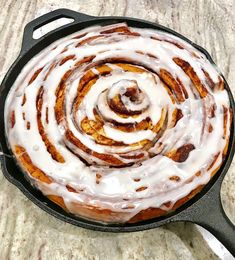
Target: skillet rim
55,210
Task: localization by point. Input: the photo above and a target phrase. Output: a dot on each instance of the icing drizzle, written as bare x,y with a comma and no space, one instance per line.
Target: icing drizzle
119,118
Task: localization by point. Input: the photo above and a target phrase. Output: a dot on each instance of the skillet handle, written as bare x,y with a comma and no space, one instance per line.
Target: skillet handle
208,212
29,41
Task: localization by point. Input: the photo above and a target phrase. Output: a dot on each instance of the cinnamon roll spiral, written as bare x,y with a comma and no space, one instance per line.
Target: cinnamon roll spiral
119,124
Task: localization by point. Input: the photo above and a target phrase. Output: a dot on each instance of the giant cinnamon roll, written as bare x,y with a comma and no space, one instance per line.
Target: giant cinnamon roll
119,124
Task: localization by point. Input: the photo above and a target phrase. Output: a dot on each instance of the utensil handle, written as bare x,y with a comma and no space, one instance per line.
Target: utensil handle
208,212
29,41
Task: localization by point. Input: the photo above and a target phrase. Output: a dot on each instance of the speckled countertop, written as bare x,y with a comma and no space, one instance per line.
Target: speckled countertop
26,232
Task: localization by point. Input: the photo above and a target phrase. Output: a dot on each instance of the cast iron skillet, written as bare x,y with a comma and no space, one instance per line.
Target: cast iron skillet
205,209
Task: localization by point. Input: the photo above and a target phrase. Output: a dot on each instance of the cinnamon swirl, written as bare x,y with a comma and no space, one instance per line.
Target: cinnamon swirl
119,124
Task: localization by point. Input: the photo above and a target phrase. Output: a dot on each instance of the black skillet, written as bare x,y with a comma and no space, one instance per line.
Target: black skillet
205,209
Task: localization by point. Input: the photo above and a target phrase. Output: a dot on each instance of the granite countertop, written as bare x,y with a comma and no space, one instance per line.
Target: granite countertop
26,232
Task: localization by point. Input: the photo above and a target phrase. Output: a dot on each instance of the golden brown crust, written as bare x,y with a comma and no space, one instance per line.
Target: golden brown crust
95,128
98,214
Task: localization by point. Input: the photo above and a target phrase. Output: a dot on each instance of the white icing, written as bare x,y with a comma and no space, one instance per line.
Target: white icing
154,173
128,138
